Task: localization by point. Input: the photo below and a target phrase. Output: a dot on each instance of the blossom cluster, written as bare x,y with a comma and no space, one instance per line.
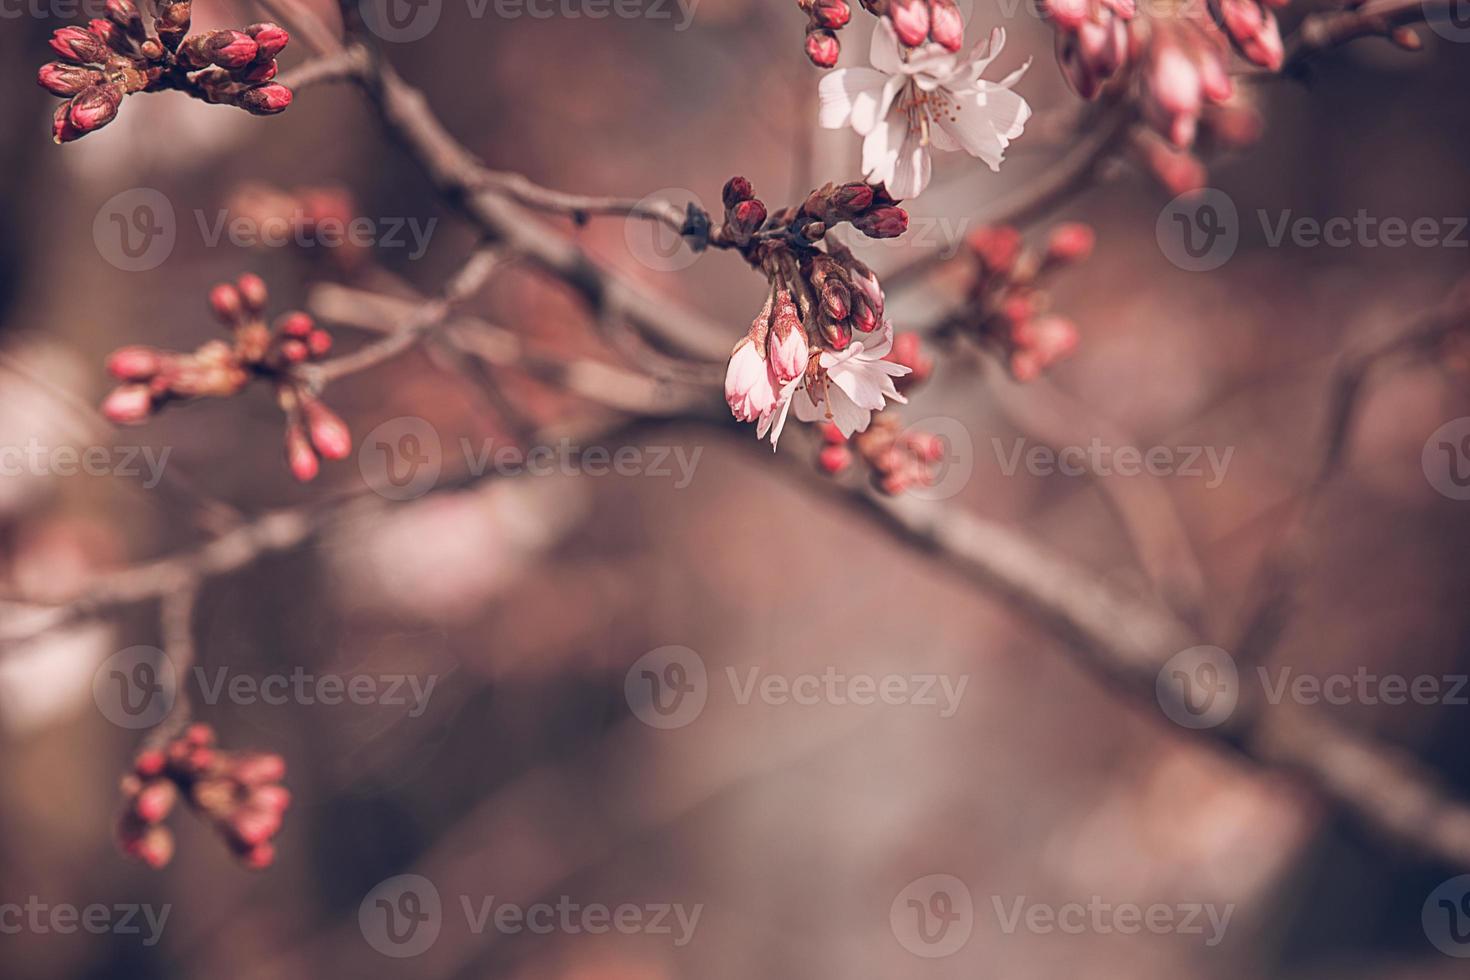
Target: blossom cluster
117,56
1008,304
239,793
913,100
819,343
151,378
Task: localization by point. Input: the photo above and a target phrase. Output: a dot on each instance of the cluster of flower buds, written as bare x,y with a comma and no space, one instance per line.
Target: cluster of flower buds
897,459
218,369
824,19
1009,305
118,55
916,22
750,227
1094,41
239,793
821,301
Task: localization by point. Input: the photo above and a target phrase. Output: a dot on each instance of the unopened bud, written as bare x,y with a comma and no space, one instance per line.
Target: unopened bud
266,100
154,848
852,199
148,763
823,48
65,80
300,457
838,334
124,13
835,301
997,247
78,45
884,222
94,107
831,14
294,351
133,363
1071,242
155,800
261,767
227,304
910,21
319,343
834,459
228,49
747,218
946,25
296,324
128,405
271,797
737,189
329,434
253,292
271,38
259,857
251,825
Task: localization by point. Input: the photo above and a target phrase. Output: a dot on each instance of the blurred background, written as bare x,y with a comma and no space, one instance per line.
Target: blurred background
798,830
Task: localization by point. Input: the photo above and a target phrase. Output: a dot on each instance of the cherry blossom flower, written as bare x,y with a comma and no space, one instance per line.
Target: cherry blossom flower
910,101
849,385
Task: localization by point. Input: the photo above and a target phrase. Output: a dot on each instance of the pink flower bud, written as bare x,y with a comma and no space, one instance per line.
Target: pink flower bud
78,45
834,459
1068,14
134,363
266,100
128,405
296,324
823,48
788,352
66,80
833,14
748,386
229,49
148,763
155,801
1071,242
998,247
1254,31
747,218
736,189
300,458
294,352
319,343
226,303
946,26
837,333
884,222
155,847
1050,338
259,768
271,38
852,199
329,434
270,797
835,301
910,21
93,108
259,857
251,825
253,292
256,73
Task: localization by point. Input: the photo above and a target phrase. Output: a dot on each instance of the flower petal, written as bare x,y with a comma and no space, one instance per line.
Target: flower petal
850,96
985,121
